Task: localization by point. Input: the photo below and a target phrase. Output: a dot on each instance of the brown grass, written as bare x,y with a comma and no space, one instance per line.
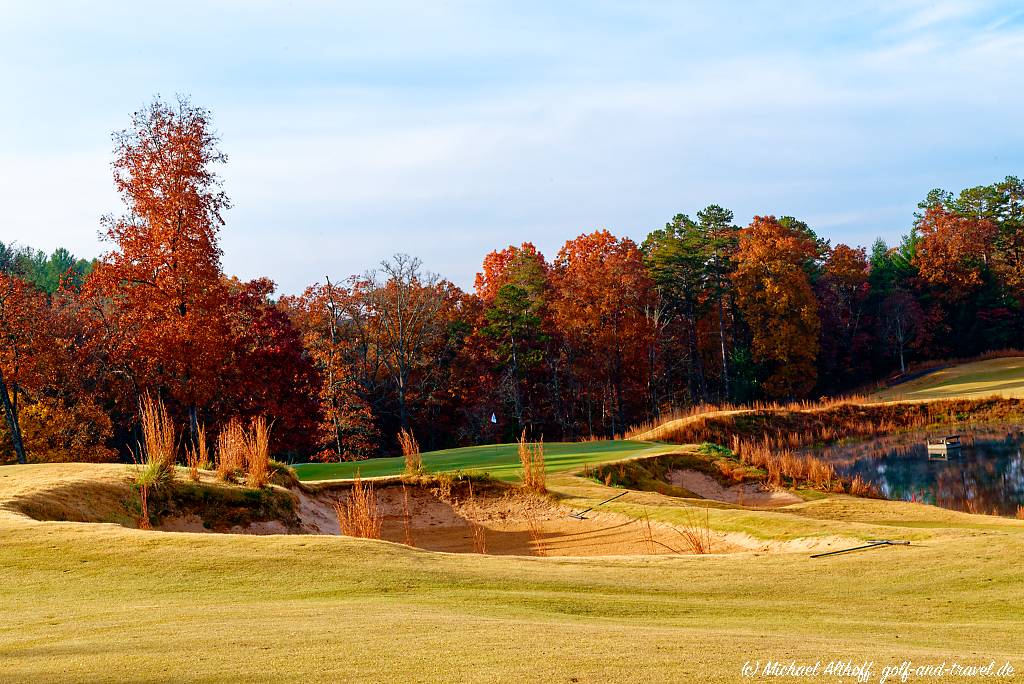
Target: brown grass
197,457
479,531
531,461
231,450
1020,512
696,533
358,515
257,453
158,452
407,517
410,452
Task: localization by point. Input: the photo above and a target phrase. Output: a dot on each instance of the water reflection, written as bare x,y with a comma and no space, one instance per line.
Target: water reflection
986,475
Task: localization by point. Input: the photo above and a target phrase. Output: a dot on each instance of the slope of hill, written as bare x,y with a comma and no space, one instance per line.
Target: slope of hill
990,377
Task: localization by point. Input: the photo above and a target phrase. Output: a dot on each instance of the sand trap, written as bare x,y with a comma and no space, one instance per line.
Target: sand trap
497,518
512,523
752,494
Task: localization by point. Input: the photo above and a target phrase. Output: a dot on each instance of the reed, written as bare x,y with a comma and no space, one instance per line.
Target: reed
197,456
1020,512
407,517
531,461
231,450
696,532
156,465
257,453
358,515
410,452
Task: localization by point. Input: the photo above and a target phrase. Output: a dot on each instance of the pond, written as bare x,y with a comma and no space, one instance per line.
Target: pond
986,475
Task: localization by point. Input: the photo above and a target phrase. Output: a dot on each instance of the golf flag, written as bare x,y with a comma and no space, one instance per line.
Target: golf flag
494,418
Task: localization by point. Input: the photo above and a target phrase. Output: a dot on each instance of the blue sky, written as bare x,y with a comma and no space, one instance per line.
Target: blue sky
357,130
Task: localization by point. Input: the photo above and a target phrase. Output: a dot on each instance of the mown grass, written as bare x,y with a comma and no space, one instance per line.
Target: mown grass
86,602
500,461
1000,376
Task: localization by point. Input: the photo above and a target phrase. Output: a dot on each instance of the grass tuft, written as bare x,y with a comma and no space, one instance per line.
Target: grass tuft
410,452
531,460
358,515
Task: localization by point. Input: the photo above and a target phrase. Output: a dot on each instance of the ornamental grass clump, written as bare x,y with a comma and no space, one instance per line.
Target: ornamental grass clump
531,461
358,515
257,453
410,452
231,450
158,452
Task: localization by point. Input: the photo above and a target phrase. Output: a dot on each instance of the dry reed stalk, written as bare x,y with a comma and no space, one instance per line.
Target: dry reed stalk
531,461
144,523
536,534
1020,512
231,450
410,452
197,456
157,436
407,517
479,531
358,515
648,533
156,468
257,453
696,533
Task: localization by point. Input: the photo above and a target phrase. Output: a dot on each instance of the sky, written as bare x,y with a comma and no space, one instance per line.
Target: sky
448,129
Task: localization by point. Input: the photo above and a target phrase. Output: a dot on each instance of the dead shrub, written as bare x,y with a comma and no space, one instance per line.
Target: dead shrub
358,515
410,452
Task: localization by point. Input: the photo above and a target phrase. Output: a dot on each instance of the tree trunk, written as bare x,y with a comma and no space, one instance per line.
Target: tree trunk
721,337
11,412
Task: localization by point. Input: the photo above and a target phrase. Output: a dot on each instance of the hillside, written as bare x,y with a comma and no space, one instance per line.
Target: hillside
992,377
303,607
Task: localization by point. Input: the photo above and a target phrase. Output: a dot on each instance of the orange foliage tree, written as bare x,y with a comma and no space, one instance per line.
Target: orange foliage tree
952,251
161,290
774,295
347,430
601,292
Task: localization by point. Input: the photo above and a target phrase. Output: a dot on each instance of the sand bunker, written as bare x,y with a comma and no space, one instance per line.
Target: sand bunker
753,494
494,518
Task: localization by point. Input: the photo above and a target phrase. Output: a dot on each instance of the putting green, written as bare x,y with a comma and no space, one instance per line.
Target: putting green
500,461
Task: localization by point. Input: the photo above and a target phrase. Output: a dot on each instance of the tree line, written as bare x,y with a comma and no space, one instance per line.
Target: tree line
605,334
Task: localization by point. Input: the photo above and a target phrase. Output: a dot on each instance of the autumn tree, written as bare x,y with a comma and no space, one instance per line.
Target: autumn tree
267,371
601,292
162,284
952,252
774,296
514,290
842,291
21,315
347,429
902,322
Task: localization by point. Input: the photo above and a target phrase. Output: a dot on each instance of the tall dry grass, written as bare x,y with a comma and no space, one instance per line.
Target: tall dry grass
358,515
531,462
407,517
197,456
156,464
696,532
478,530
1020,512
257,453
410,452
231,450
